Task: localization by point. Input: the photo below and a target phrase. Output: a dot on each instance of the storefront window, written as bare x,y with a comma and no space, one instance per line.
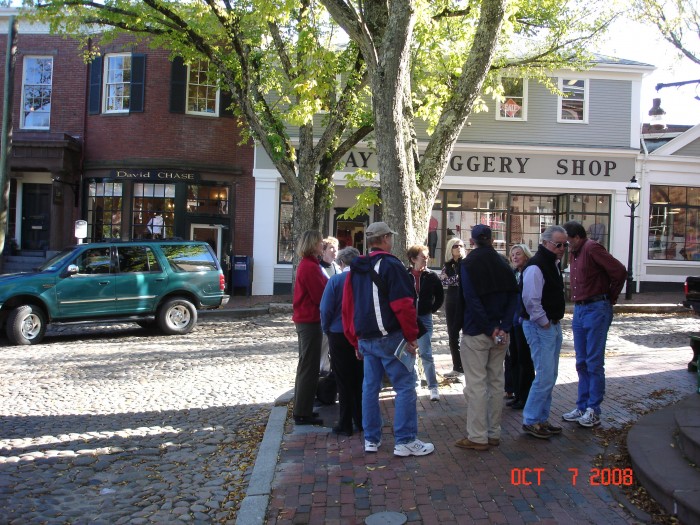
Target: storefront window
530,215
593,212
104,210
465,209
207,200
153,214
673,223
285,243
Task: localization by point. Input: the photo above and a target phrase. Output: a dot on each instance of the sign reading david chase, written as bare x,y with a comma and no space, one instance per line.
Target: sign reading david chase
156,175
530,166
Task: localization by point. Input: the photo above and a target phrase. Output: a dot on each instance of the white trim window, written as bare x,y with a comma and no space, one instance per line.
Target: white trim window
37,80
574,106
117,86
202,94
514,103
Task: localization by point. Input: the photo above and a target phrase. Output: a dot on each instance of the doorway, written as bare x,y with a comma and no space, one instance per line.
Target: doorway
209,233
36,220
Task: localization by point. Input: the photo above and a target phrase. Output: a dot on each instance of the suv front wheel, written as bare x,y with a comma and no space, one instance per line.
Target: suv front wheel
26,325
177,316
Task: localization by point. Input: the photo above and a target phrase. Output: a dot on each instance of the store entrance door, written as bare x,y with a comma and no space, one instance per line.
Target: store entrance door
210,233
36,221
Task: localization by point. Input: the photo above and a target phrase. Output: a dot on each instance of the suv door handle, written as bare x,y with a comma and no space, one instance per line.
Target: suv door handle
103,282
160,279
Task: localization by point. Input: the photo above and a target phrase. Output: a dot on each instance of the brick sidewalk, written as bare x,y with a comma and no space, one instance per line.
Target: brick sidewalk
325,479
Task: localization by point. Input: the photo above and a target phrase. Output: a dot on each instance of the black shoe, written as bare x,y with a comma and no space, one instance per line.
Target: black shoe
308,420
341,431
519,405
537,430
512,402
315,414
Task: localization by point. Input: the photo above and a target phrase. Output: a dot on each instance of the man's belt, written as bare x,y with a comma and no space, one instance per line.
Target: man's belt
592,299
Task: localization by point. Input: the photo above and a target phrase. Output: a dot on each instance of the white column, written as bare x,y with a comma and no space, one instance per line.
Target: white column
266,225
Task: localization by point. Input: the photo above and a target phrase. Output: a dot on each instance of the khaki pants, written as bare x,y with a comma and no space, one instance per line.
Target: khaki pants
484,381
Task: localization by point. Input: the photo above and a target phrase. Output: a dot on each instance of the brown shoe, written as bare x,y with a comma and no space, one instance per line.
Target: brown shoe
494,442
471,445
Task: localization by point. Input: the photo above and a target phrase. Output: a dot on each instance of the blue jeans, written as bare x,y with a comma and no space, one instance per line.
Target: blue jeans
378,354
425,349
590,326
545,346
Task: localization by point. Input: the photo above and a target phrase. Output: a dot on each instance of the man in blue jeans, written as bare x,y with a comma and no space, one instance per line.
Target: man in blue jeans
597,279
544,304
379,312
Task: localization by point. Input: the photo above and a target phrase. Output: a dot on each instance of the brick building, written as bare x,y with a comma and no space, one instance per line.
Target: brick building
133,143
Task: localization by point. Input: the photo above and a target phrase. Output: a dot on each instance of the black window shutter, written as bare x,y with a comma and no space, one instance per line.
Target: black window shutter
178,86
225,101
138,82
94,99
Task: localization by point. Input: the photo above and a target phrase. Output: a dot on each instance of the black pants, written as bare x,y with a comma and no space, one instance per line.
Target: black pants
306,381
521,366
349,373
454,317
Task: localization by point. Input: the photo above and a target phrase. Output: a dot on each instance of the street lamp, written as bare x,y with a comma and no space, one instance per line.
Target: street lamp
633,191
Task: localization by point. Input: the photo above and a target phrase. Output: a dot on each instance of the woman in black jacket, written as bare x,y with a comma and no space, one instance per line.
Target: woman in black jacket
454,308
430,296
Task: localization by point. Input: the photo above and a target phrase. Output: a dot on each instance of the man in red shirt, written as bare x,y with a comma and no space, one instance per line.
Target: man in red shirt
596,279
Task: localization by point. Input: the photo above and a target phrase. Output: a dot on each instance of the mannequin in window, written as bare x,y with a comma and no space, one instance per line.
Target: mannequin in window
155,226
596,232
432,236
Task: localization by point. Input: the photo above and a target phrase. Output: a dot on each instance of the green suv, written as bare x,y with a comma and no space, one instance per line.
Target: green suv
153,283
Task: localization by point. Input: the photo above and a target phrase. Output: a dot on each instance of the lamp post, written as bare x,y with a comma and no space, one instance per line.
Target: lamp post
633,191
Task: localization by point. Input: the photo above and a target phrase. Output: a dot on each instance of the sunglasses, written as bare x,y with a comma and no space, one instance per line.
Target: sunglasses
457,246
559,245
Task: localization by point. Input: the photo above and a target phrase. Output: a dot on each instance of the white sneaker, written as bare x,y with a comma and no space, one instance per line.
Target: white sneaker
589,419
370,446
414,448
434,396
574,415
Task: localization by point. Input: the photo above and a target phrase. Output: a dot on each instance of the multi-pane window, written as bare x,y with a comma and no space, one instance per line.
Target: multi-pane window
202,93
573,106
468,208
593,212
117,83
513,106
104,210
36,92
285,243
207,200
674,225
153,214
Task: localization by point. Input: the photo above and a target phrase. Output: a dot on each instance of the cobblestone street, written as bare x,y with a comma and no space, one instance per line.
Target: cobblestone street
116,425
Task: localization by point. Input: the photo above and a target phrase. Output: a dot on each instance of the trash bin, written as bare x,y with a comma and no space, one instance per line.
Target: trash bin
242,274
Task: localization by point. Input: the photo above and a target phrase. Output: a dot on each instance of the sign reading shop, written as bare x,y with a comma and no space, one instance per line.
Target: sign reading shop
531,166
156,175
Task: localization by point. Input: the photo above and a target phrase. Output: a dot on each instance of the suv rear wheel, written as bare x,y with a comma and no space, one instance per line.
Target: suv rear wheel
176,316
26,325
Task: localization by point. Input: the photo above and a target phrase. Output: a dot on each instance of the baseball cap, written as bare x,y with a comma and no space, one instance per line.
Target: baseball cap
481,232
377,229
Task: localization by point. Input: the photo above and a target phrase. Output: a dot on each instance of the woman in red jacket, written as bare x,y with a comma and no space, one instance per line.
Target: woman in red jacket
308,290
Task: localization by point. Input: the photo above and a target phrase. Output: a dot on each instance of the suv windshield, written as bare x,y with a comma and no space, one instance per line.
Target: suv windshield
56,261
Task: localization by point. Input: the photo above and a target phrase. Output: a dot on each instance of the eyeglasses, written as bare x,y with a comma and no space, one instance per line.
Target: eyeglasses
559,245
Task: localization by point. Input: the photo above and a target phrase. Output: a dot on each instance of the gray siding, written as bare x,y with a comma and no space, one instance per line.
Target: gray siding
608,125
608,121
690,150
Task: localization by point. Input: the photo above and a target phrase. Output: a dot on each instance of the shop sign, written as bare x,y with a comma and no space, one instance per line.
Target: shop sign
531,166
156,175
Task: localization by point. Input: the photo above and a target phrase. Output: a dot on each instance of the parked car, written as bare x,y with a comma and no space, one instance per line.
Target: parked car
154,283
692,293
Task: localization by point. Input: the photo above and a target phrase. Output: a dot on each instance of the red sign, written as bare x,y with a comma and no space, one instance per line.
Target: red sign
510,108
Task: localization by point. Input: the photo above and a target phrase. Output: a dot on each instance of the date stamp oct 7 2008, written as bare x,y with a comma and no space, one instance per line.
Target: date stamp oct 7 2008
594,476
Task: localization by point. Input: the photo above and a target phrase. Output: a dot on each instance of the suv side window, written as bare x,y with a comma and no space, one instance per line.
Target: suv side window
95,261
137,259
189,257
